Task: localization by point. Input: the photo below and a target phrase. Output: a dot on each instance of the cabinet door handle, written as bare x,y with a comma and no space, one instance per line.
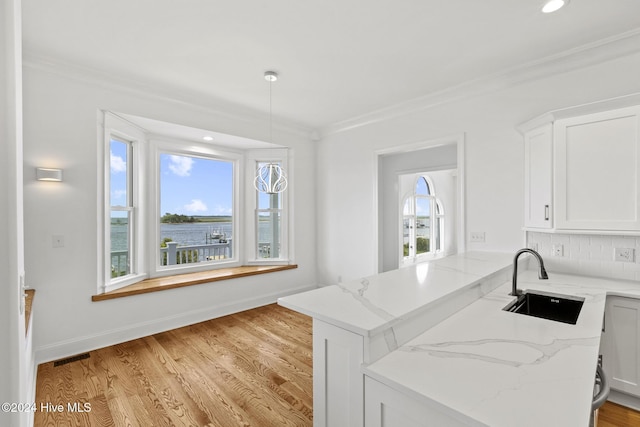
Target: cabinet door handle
546,212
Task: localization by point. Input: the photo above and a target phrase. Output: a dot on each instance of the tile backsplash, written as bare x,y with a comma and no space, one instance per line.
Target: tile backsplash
588,255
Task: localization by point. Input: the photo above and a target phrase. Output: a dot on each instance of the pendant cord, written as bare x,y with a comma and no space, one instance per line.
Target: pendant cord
270,112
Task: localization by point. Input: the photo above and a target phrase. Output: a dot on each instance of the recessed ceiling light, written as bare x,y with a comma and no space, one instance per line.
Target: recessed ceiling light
553,5
207,138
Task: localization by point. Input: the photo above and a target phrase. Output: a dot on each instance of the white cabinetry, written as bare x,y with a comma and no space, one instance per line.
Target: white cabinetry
538,146
338,384
339,354
386,407
620,345
597,160
582,171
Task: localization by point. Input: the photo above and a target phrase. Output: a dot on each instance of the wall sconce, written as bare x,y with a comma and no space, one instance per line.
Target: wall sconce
49,174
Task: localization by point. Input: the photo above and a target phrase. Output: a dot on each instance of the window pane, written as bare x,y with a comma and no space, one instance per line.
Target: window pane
269,222
196,205
119,191
423,224
269,234
120,243
269,201
423,210
120,223
408,206
406,235
422,187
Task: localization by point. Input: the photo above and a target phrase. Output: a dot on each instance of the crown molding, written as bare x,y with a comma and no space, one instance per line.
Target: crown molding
158,92
580,110
603,50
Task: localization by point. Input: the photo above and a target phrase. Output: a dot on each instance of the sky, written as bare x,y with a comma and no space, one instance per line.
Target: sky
188,185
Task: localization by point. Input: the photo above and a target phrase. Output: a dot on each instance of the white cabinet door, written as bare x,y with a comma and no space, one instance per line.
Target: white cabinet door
621,344
538,146
387,407
338,384
597,158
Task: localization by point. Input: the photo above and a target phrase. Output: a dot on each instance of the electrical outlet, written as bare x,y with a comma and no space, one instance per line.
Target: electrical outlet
558,250
477,237
624,254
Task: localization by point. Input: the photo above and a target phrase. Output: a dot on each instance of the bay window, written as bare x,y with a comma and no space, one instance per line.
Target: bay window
174,206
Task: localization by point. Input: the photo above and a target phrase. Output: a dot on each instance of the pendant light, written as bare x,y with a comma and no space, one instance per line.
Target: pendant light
270,177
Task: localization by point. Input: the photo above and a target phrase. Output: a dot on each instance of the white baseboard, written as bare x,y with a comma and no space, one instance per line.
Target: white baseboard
624,399
106,338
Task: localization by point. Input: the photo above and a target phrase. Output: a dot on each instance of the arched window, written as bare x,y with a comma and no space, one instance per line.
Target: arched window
422,221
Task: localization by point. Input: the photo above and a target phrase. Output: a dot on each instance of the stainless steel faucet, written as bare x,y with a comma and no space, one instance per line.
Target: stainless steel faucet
542,273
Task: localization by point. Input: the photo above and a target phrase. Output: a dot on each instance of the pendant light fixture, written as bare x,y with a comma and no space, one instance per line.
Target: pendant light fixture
270,177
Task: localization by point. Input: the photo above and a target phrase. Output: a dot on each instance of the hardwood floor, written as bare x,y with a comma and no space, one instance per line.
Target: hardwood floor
613,415
248,369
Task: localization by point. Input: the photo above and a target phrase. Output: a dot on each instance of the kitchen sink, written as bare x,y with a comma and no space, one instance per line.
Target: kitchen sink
560,308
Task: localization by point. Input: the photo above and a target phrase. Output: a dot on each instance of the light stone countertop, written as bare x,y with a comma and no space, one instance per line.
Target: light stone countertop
373,304
507,369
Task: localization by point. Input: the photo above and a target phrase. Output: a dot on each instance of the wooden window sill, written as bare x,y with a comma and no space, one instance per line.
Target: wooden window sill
178,281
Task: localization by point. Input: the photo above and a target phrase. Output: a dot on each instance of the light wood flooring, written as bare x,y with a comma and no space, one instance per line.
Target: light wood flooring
248,369
613,415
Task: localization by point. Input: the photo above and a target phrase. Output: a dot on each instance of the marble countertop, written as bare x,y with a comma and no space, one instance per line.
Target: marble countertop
374,303
506,369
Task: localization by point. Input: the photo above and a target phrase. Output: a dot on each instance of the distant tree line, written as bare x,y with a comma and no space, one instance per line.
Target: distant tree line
176,218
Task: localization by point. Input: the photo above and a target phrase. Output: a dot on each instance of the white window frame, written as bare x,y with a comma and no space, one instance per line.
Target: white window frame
159,146
145,169
125,131
279,155
434,217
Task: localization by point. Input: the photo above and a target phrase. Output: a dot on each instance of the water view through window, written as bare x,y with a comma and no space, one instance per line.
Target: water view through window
121,207
196,222
196,205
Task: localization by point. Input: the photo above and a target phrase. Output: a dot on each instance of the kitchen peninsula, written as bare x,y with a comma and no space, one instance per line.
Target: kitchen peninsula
358,322
470,364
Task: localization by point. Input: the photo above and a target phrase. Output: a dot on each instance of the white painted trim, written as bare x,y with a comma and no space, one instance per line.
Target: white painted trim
582,56
462,194
460,141
624,399
624,101
165,93
106,338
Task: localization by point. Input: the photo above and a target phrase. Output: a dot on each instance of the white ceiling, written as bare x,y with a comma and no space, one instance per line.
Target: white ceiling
337,59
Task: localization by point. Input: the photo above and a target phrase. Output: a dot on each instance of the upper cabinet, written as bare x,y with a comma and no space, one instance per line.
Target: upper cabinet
596,171
538,146
582,171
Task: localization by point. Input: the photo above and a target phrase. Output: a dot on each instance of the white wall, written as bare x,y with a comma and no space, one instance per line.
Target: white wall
494,160
61,131
15,369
